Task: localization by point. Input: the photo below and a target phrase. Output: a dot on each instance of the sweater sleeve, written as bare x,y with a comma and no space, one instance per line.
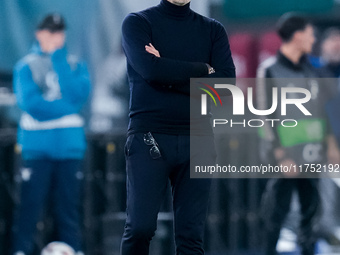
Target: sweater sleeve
30,98
74,82
221,59
136,34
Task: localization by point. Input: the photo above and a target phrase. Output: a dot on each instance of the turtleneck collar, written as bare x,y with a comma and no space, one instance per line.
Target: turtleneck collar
175,10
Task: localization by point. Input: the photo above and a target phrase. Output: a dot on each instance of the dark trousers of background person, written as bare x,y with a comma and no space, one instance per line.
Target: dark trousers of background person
147,180
276,205
39,178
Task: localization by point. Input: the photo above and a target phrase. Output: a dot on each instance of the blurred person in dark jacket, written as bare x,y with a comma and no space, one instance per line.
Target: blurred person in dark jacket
303,144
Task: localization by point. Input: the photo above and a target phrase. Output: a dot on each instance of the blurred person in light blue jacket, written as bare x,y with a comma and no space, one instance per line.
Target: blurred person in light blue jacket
51,87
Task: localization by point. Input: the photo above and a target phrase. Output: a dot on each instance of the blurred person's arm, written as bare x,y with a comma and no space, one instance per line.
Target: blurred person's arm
272,147
333,152
30,98
332,121
264,86
74,80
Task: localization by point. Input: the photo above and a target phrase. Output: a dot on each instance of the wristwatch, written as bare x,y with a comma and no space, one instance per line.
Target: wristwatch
210,69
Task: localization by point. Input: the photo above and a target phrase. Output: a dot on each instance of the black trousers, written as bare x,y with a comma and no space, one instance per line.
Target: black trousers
147,180
276,205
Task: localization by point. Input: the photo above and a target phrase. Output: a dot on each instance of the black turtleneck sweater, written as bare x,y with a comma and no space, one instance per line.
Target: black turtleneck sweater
159,87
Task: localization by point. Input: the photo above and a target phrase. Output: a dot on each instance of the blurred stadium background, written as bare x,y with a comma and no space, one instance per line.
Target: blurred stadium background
94,34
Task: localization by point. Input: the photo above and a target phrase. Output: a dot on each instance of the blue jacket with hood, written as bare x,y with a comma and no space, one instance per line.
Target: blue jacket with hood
51,90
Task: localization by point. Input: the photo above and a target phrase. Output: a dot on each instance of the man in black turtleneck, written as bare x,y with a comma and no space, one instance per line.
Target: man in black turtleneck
165,46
